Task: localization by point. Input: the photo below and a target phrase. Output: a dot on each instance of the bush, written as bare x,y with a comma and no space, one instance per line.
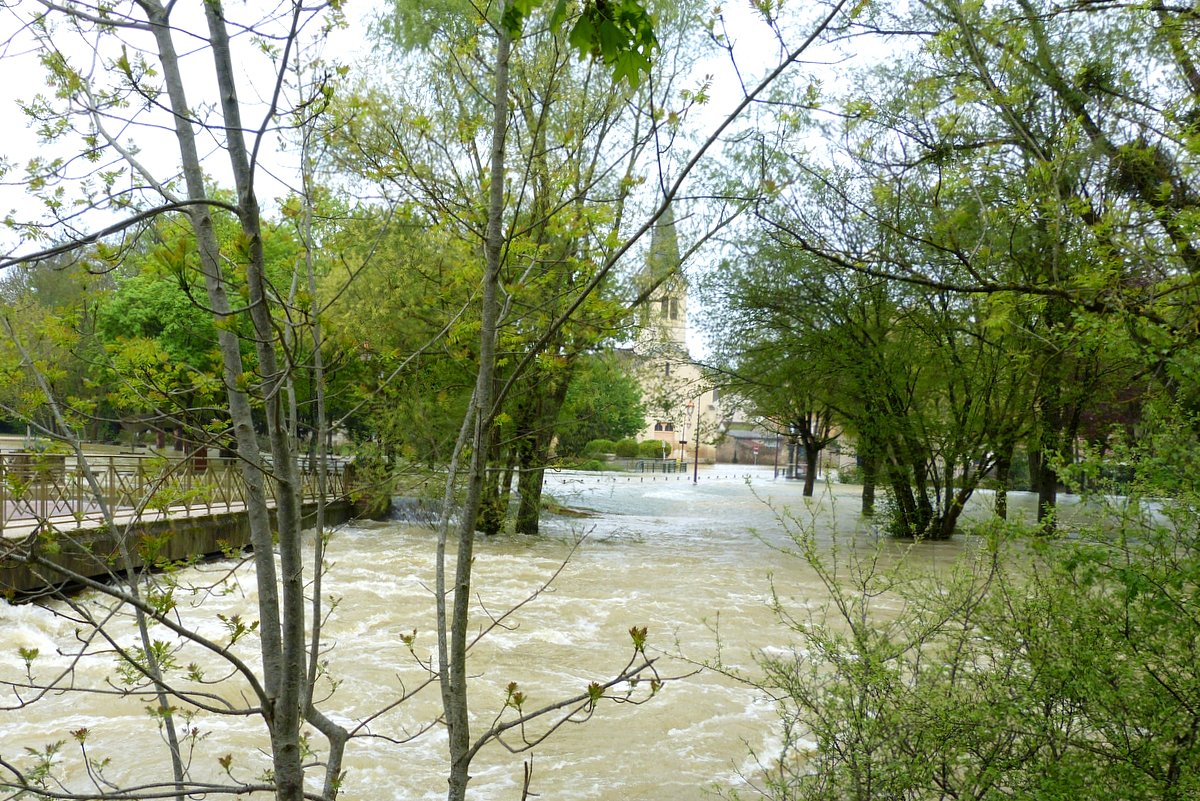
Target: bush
599,446
651,449
627,448
1049,668
850,474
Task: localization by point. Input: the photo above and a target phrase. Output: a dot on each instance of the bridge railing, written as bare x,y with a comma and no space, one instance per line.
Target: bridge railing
44,486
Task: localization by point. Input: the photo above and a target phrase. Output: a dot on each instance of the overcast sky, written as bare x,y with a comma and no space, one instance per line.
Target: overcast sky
755,47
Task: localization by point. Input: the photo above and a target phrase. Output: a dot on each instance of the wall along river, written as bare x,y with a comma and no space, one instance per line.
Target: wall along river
695,564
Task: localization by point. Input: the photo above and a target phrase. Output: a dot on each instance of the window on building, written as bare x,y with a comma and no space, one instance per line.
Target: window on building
665,306
668,426
667,369
674,308
658,426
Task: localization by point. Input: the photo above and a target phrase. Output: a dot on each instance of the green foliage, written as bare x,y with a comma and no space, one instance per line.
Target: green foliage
603,402
160,340
42,763
49,309
619,33
411,281
627,448
1030,670
157,309
651,449
237,628
370,480
28,655
598,447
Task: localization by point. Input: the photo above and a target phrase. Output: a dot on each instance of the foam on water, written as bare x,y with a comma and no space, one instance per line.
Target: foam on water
693,564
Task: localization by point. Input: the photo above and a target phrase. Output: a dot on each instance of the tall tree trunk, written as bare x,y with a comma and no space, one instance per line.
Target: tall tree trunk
452,630
1003,471
1044,476
529,489
286,712
241,415
492,510
870,476
318,459
535,454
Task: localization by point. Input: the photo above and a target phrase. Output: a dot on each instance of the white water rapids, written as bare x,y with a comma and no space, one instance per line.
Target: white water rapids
684,561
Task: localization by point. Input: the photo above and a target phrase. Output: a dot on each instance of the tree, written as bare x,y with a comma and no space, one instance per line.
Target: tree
1013,144
602,402
578,140
772,375
1061,670
54,303
132,89
912,374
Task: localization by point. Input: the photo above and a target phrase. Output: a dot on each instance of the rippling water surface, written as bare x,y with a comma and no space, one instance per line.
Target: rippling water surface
692,563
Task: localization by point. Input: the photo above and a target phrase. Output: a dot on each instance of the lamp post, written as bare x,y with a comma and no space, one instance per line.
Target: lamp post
683,445
695,447
792,449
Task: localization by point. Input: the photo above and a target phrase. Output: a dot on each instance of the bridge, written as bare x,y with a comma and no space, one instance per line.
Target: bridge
163,509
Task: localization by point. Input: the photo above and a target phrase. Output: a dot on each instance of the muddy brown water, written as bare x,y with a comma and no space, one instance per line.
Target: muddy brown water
694,564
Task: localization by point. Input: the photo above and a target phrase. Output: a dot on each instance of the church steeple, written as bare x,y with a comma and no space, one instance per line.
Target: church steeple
665,321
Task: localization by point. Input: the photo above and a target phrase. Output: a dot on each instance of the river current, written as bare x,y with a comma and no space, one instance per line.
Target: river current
694,564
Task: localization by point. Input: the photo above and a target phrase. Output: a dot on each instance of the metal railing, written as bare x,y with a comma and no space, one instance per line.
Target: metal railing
657,466
40,487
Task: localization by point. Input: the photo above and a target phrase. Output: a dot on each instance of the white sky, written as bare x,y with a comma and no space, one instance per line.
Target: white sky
152,134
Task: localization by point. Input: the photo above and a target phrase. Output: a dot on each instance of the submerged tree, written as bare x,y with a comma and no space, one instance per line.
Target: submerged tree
1025,154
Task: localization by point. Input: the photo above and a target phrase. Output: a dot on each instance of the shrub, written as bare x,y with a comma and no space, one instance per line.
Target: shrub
1050,668
598,446
627,448
650,449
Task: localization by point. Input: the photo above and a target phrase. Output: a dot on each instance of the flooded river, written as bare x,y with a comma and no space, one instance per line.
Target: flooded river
694,564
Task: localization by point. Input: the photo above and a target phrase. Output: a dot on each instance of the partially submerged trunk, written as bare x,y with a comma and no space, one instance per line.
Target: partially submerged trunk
1004,460
1045,481
812,452
869,462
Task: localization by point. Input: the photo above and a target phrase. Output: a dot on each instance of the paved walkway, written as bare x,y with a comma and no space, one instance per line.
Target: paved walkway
20,526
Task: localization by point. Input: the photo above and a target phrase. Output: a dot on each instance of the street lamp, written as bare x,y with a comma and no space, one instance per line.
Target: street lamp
793,454
683,444
696,447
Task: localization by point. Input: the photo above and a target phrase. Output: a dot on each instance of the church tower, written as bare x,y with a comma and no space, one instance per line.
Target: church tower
680,410
663,328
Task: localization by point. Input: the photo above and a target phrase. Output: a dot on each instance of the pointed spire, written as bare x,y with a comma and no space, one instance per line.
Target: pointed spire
663,256
664,317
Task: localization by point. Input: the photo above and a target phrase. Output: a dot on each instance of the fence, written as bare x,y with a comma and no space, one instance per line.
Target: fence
41,486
